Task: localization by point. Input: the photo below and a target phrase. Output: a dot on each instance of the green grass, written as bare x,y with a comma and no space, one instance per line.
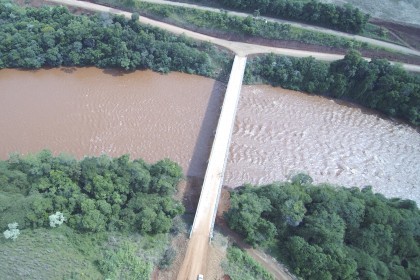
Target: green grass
379,33
406,11
228,24
62,253
123,263
221,22
46,254
240,266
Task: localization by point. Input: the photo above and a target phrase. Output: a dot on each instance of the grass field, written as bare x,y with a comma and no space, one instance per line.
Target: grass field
46,254
405,11
61,253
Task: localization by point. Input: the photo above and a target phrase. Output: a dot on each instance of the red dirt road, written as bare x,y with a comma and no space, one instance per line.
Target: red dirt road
242,49
195,258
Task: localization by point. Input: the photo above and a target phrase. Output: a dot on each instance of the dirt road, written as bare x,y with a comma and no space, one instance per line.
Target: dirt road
242,49
359,38
195,258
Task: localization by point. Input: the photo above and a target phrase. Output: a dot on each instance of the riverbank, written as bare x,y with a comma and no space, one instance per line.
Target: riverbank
88,112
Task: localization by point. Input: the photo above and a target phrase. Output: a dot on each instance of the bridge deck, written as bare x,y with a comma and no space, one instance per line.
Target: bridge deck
194,262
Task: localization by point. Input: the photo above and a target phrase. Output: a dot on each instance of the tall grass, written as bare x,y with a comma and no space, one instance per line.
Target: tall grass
239,26
48,254
62,253
240,266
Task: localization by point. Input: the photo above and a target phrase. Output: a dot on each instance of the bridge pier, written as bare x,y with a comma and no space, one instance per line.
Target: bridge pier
202,228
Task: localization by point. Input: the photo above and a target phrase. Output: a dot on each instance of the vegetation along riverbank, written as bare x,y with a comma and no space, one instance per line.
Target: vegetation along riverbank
256,30
105,203
344,18
53,37
325,232
376,84
98,213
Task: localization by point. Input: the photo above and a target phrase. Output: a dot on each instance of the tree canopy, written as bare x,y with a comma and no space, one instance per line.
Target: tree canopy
52,37
376,84
94,194
345,18
326,232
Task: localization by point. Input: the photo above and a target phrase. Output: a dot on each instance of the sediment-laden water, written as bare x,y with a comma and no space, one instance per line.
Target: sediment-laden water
88,111
280,132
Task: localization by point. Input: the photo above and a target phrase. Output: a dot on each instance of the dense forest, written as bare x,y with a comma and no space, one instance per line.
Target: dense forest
52,37
324,232
98,218
344,18
95,194
376,84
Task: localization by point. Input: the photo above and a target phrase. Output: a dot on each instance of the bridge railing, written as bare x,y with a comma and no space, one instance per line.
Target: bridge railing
225,126
222,175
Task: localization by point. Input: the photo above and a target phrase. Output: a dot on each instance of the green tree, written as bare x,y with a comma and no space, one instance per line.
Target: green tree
244,216
308,260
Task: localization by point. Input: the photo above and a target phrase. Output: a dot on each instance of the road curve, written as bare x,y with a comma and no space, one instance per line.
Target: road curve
241,49
200,238
359,38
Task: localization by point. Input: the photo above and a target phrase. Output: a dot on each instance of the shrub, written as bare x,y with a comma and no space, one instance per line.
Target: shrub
135,16
13,232
241,266
56,219
168,258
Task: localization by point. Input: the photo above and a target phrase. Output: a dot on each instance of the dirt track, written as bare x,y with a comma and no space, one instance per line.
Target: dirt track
242,49
374,42
195,258
196,255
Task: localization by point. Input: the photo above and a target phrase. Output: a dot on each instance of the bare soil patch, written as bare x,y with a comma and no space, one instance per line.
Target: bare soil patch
216,254
411,59
189,193
41,3
393,56
179,243
409,34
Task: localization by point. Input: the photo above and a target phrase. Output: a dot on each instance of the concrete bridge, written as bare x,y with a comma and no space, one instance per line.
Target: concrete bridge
202,228
239,48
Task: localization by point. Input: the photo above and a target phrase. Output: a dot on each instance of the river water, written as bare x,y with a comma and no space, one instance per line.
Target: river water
85,111
280,132
88,111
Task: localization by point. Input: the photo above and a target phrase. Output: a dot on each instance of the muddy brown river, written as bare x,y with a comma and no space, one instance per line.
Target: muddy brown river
88,111
279,133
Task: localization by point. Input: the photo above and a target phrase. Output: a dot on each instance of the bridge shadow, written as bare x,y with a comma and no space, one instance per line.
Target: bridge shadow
204,142
202,148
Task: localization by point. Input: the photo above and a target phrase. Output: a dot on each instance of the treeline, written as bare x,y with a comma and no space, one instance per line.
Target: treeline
323,232
223,22
52,37
376,84
94,194
344,18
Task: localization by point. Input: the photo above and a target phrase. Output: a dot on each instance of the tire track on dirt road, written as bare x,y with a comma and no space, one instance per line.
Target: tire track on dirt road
324,30
241,49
